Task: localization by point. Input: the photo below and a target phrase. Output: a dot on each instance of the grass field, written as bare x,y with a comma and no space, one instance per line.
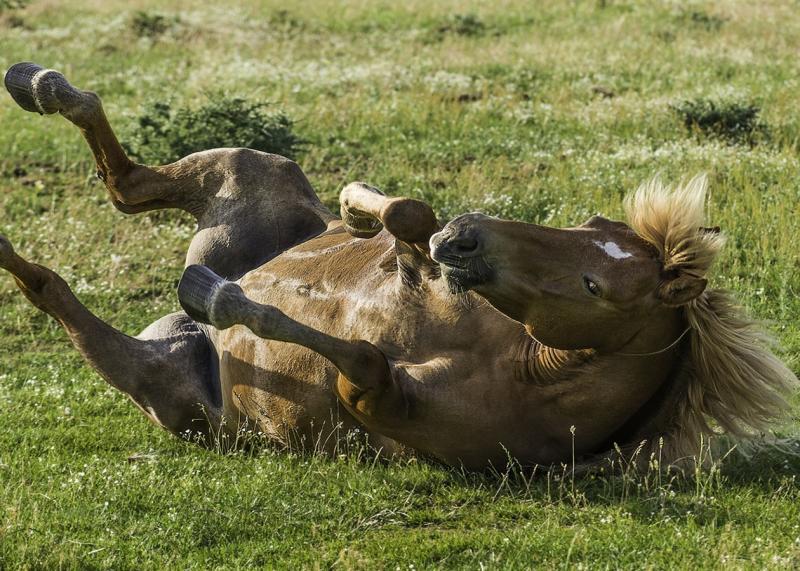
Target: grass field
540,111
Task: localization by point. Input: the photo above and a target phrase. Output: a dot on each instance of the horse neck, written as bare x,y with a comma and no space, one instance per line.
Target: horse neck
542,365
654,344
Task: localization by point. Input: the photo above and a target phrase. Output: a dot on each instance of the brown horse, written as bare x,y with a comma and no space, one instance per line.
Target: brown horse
483,340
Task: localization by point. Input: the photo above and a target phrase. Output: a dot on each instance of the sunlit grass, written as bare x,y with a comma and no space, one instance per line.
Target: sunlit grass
547,112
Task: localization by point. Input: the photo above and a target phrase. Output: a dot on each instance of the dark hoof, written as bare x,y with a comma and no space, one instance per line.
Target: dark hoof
196,292
19,80
37,89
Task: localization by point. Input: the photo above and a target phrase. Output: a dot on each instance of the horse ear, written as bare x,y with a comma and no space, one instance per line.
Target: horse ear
681,290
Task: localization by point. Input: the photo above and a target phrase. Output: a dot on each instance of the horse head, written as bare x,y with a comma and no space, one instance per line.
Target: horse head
596,285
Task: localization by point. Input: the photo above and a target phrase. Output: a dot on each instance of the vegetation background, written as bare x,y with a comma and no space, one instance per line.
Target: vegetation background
545,111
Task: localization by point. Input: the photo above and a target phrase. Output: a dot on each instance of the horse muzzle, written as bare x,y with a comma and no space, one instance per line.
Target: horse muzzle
459,249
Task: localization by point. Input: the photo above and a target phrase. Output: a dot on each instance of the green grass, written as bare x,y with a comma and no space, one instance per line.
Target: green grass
546,112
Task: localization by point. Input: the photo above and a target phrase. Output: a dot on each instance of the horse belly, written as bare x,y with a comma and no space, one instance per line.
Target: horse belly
279,389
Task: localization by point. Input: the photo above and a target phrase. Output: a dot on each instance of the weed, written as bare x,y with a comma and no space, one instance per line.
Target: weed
465,25
701,19
286,21
151,25
8,5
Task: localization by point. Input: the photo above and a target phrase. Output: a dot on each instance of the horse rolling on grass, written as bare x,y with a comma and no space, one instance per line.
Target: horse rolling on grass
472,343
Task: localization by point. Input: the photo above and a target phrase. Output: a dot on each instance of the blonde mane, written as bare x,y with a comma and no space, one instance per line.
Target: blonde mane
732,381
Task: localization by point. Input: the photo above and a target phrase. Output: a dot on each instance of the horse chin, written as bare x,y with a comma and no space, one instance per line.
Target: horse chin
463,278
458,281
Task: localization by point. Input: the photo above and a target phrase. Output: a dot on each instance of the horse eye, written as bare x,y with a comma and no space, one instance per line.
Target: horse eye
591,287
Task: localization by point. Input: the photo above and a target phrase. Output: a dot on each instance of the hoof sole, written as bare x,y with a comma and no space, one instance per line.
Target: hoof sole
37,89
196,292
19,80
360,226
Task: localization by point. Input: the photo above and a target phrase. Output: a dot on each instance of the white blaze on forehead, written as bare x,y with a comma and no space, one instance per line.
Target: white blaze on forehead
612,249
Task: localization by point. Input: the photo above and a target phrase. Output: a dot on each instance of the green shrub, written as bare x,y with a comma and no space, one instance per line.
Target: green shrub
12,5
163,134
700,19
285,21
146,25
732,121
468,25
464,25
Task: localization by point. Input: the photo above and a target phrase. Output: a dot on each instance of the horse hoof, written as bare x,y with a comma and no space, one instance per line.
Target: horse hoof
409,220
196,292
37,89
360,226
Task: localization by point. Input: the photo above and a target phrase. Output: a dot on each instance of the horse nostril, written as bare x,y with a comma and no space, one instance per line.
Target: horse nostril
463,244
458,239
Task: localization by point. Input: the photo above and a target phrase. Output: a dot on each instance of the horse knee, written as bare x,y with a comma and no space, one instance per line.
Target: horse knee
380,403
45,289
176,383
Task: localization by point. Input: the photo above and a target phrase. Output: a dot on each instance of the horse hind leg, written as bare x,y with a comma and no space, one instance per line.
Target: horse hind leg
168,371
132,187
249,205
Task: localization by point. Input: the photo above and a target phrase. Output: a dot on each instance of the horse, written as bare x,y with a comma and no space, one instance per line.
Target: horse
472,343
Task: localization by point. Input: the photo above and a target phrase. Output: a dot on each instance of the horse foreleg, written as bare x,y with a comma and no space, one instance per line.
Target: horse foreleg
365,210
170,378
365,384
